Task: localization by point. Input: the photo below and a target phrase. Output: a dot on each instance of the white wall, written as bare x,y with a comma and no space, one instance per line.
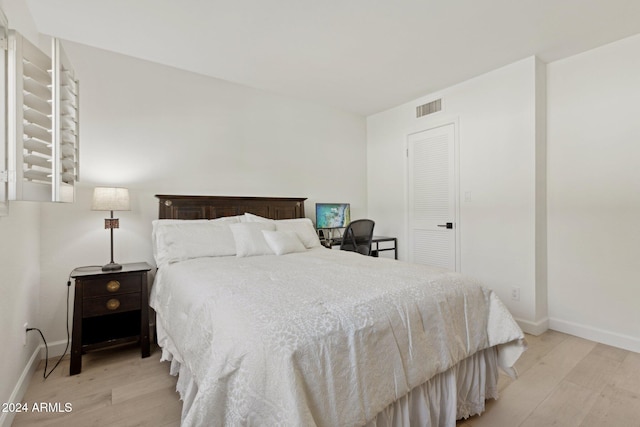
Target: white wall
499,132
20,288
19,270
594,194
160,130
556,218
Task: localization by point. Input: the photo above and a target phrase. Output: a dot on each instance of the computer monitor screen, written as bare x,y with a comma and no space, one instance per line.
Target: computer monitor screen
332,215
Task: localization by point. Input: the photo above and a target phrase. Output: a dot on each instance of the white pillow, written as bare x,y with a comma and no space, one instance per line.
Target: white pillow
249,217
228,219
181,240
302,226
249,239
158,224
283,242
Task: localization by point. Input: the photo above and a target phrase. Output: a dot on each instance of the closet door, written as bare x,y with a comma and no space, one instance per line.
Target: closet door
433,197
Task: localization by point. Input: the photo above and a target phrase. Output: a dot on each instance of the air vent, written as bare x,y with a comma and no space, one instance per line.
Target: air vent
430,108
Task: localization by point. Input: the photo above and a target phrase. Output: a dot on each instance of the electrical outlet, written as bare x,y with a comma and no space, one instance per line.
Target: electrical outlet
515,294
24,337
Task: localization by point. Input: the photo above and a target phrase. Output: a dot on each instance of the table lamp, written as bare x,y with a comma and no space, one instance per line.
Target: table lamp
111,199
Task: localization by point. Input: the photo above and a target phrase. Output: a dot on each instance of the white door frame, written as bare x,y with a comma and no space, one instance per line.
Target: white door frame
456,154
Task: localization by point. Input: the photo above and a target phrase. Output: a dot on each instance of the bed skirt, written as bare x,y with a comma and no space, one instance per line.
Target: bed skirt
457,393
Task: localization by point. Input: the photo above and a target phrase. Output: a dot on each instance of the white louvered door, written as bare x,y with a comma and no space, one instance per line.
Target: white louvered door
432,197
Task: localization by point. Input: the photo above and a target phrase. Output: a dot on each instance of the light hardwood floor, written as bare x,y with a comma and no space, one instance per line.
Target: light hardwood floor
564,381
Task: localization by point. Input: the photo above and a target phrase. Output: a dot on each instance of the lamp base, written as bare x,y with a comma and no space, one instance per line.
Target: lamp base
112,266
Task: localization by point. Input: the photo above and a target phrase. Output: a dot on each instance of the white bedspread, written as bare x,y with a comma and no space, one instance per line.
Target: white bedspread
321,337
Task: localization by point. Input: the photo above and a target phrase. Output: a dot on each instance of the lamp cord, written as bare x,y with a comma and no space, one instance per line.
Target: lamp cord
45,375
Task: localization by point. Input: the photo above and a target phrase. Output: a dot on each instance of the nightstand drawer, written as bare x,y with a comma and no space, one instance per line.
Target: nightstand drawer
112,304
113,285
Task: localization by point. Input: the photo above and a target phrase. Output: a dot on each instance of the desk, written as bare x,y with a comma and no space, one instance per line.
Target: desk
380,239
375,244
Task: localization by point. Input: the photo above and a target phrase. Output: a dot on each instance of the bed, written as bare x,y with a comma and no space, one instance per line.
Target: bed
264,326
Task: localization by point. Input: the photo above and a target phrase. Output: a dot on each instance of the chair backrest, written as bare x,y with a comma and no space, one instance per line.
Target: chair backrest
357,236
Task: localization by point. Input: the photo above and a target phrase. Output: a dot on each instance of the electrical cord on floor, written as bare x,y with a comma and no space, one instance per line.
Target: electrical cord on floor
45,375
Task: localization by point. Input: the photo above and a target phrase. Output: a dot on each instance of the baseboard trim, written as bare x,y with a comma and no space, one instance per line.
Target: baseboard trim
534,328
56,348
6,418
614,339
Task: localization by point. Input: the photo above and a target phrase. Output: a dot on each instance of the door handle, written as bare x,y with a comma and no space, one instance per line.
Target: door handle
447,225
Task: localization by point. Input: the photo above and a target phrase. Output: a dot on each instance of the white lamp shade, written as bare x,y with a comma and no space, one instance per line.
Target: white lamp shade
110,199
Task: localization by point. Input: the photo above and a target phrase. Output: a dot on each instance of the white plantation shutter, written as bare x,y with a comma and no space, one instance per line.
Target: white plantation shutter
65,125
29,116
42,123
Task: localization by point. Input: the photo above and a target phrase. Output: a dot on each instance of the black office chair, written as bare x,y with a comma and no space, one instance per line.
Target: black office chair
357,236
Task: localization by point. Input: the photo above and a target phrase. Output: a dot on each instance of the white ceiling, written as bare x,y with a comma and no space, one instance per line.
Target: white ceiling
363,56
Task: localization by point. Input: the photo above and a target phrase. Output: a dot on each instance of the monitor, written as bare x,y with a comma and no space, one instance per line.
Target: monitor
332,215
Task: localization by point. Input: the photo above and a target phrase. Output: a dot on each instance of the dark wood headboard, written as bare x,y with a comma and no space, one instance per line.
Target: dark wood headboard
211,207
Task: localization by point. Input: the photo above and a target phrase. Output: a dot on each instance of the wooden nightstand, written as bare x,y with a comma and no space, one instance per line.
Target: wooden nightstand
110,308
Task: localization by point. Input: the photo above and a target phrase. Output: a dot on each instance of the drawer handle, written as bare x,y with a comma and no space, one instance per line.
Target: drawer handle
113,286
113,304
